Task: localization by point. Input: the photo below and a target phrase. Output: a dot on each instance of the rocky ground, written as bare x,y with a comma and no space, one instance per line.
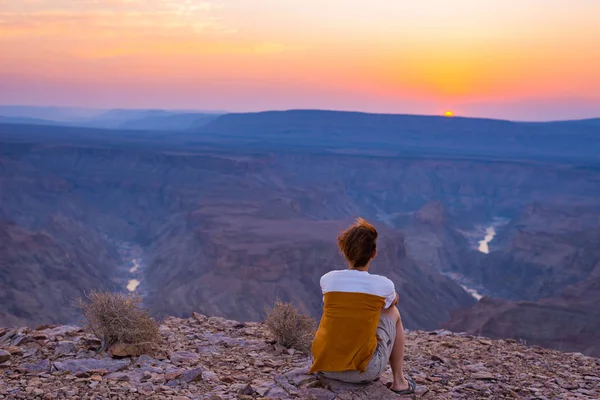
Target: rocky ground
214,358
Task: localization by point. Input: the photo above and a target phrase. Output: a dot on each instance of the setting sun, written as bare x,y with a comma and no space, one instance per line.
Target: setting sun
448,114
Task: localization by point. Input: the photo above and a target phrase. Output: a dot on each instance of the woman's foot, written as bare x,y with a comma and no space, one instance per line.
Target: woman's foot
402,385
399,383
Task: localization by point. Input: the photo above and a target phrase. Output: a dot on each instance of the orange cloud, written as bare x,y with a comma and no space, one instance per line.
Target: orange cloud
390,51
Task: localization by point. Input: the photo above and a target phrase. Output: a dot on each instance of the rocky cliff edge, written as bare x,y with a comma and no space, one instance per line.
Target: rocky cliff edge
214,358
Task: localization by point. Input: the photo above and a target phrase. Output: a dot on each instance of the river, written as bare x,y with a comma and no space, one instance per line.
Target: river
132,269
133,284
464,283
134,272
476,295
484,247
133,253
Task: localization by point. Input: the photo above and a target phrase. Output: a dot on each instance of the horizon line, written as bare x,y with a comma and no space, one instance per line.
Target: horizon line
329,110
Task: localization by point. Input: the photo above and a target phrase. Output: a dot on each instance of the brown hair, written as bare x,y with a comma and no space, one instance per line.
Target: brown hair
357,243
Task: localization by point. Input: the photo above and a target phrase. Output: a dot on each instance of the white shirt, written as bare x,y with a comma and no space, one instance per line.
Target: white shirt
355,281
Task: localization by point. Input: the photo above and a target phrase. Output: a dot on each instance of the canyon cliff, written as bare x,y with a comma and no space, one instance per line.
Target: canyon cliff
548,256
245,208
214,358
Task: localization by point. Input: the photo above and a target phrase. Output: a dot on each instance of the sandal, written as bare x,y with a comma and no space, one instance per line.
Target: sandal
412,387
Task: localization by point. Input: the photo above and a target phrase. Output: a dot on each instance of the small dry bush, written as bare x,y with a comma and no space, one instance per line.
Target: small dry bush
118,318
291,328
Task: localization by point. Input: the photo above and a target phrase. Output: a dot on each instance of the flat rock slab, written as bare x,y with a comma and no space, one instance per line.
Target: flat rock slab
64,348
84,365
62,330
299,377
371,391
40,366
184,358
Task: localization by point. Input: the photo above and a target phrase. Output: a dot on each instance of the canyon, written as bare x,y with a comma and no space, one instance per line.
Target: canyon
234,212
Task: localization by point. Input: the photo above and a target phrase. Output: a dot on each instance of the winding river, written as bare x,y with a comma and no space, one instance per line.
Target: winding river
132,268
132,284
484,247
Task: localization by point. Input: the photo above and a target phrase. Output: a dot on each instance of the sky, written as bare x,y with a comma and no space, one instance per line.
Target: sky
525,60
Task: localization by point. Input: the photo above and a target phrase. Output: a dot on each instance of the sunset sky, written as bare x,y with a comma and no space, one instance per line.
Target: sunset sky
526,59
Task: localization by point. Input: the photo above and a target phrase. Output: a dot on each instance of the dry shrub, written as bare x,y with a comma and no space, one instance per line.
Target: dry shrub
291,328
117,318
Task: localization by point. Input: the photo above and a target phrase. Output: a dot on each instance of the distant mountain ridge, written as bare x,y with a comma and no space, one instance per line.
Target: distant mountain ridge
406,135
28,121
133,119
145,118
50,113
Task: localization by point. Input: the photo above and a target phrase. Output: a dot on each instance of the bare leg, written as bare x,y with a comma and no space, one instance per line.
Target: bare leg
397,356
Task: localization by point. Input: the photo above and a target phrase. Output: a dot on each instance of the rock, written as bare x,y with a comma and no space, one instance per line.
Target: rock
299,377
184,357
124,350
30,352
158,379
193,375
438,359
15,350
118,376
90,343
278,393
173,373
84,366
247,390
20,339
145,360
262,387
4,356
7,336
283,383
483,376
65,348
317,394
40,336
100,372
146,389
61,330
441,332
279,348
45,326
349,391
37,367
209,375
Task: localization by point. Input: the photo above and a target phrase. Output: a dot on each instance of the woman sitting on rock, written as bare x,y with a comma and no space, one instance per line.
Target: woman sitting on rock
361,328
